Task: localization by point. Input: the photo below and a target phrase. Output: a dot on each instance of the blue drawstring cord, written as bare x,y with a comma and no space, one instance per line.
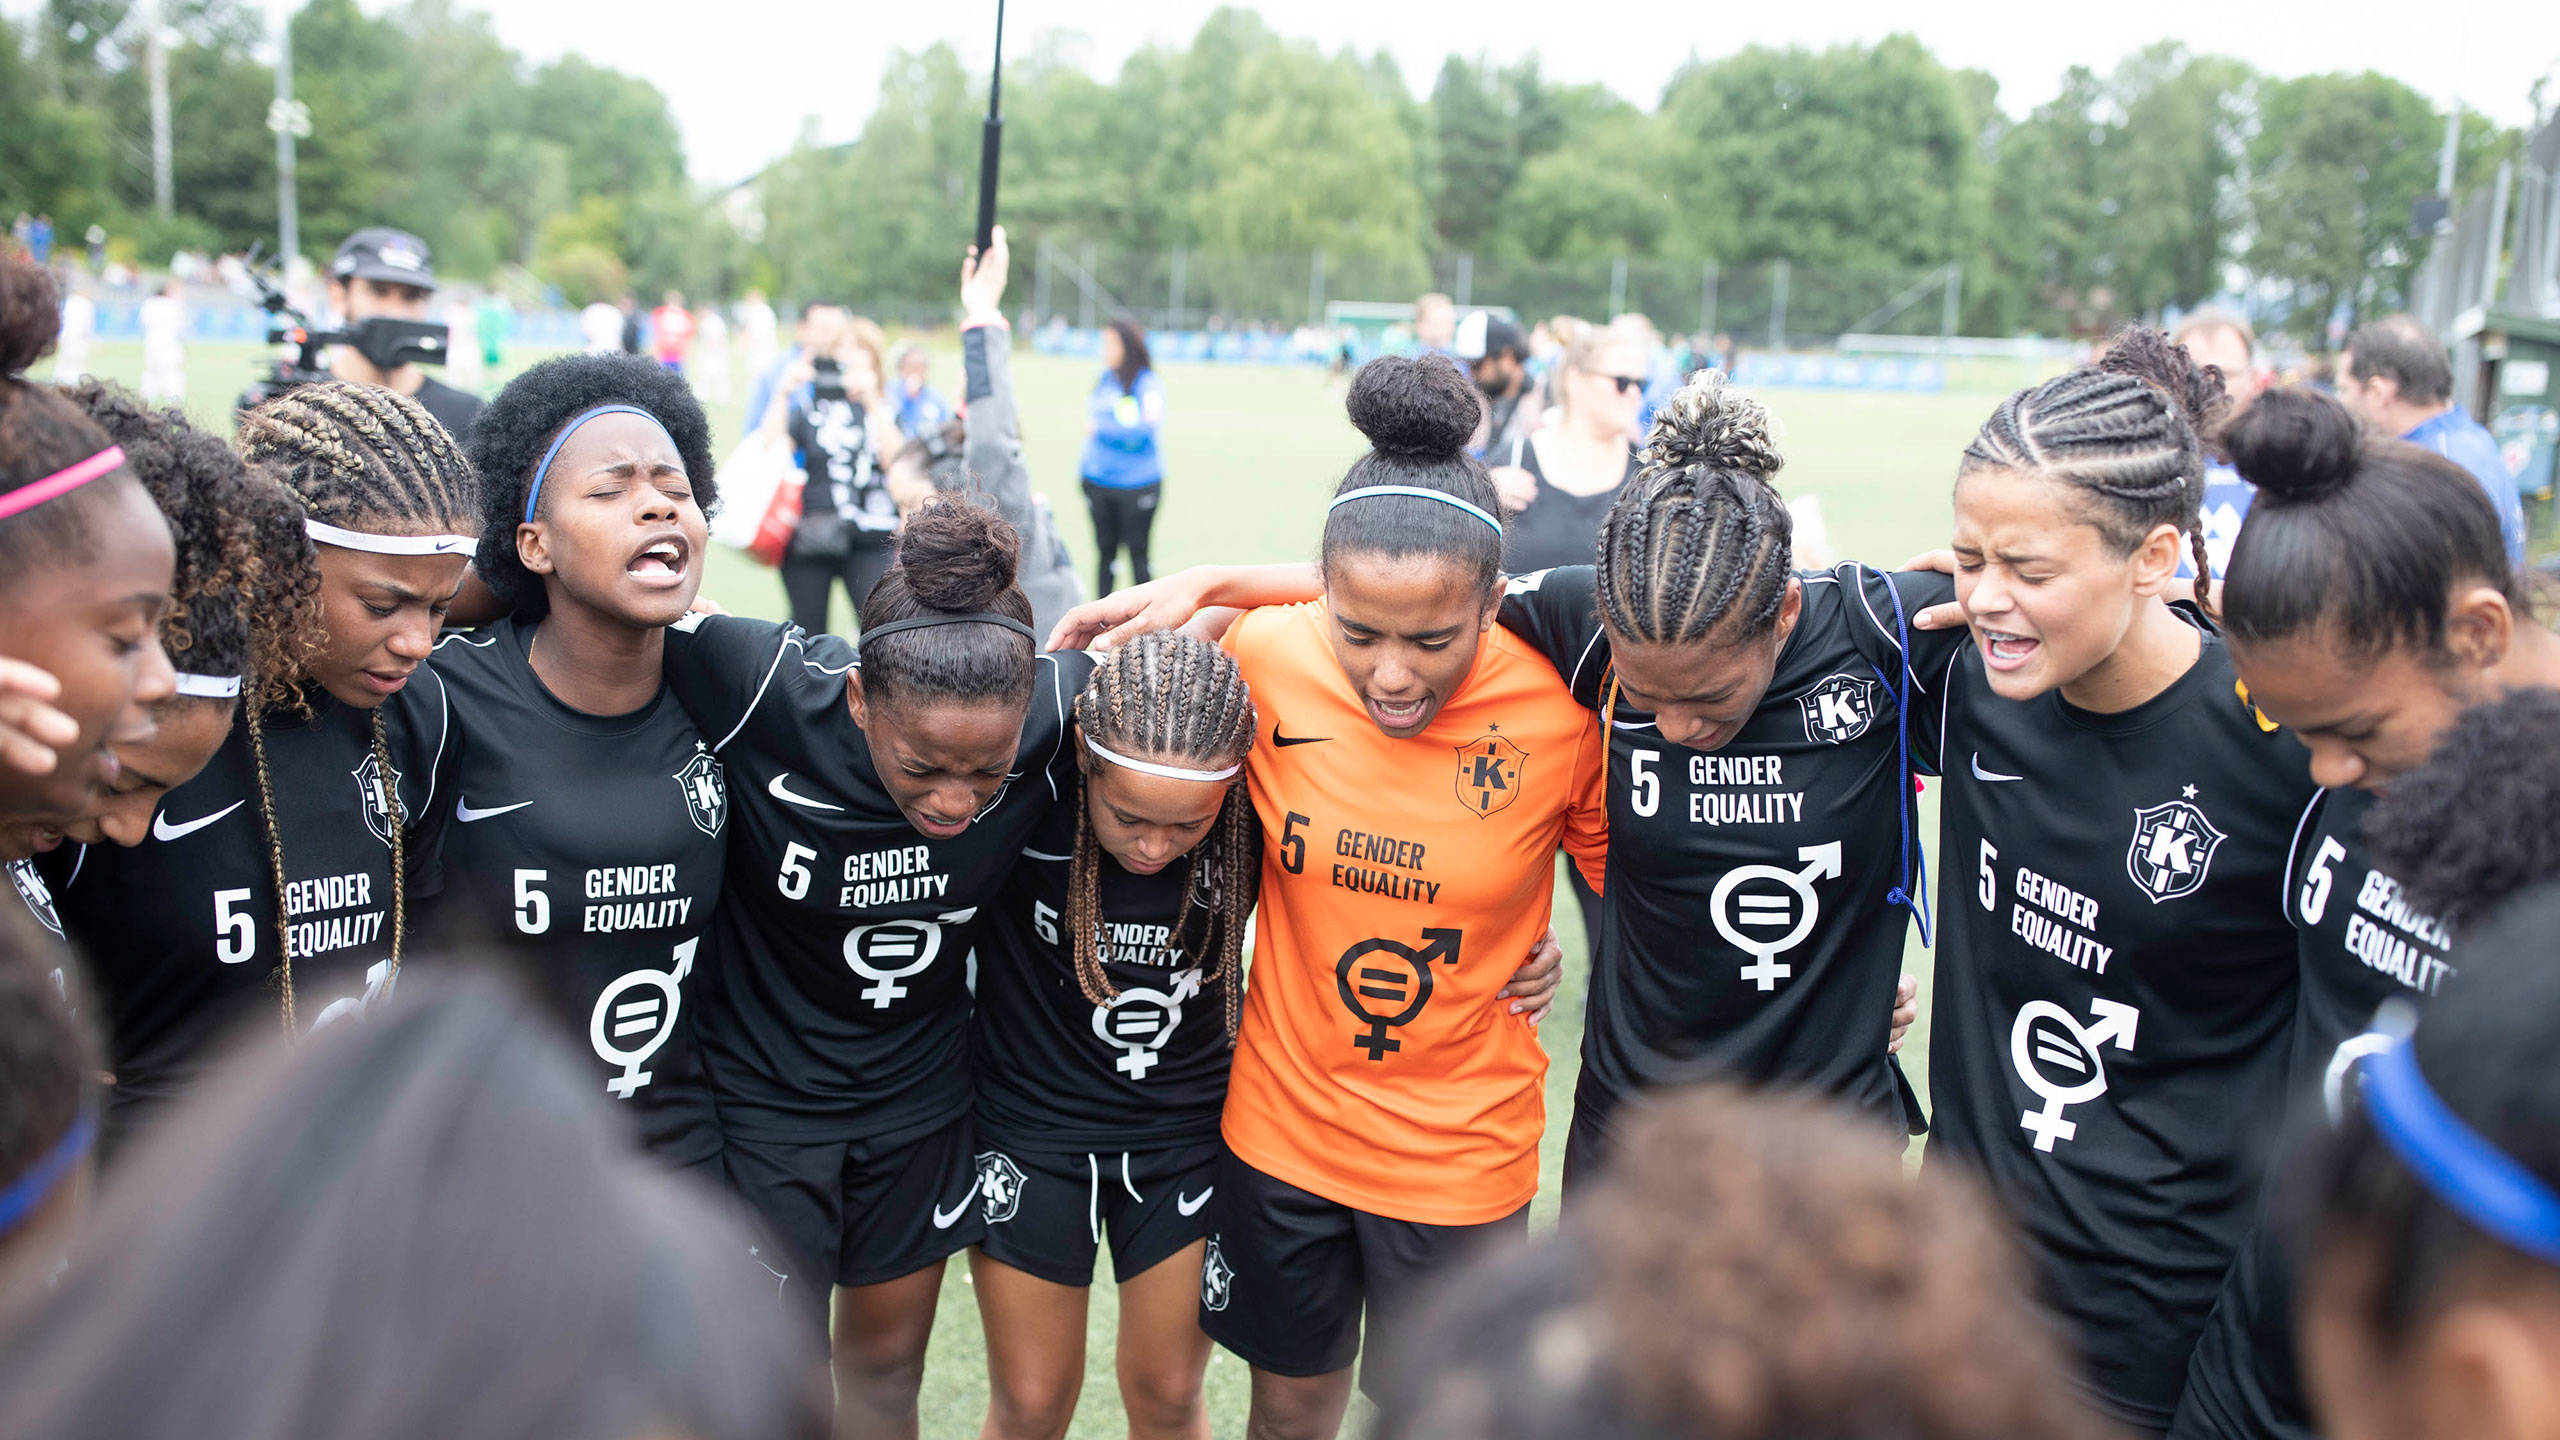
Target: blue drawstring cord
1917,904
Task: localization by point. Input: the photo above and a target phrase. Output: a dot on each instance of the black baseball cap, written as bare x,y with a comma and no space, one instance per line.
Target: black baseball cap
393,257
1485,333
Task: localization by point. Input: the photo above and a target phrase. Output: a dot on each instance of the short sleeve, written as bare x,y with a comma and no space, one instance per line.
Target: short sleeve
722,666
1557,613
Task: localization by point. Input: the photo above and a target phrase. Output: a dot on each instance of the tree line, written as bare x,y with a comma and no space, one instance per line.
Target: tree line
2157,183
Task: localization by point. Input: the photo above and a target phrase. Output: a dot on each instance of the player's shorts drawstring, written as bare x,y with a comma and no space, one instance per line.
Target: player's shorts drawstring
1124,1179
1093,1197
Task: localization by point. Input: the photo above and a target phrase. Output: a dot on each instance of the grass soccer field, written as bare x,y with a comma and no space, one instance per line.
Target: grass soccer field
1250,455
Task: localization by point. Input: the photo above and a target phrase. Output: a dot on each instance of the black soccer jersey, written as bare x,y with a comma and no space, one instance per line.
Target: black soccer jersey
180,931
2115,994
38,895
588,850
2360,945
1745,932
1056,1071
843,932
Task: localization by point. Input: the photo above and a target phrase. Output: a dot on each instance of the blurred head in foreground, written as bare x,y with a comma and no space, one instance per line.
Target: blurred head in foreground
417,1226
1759,1267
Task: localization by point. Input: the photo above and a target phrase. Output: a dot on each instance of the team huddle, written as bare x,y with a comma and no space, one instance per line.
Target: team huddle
933,941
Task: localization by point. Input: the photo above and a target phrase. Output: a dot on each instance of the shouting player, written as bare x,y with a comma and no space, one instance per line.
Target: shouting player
2370,599
281,873
85,568
1108,978
590,820
2116,980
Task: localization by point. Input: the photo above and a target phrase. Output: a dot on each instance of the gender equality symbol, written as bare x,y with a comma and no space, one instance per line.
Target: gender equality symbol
1376,974
1790,908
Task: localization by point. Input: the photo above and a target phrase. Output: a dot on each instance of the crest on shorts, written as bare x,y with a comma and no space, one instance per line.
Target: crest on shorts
39,898
1490,772
999,1185
2172,849
705,783
1839,709
380,801
1217,1278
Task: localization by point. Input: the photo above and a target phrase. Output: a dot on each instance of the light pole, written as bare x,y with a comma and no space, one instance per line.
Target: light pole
290,119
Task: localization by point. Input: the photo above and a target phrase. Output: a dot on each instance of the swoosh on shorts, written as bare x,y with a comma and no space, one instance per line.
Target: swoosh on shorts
1190,1205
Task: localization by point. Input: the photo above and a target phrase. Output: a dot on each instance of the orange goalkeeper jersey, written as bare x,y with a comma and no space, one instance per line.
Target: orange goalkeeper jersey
1403,881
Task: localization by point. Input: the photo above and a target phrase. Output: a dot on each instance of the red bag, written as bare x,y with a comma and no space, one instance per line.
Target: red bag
781,518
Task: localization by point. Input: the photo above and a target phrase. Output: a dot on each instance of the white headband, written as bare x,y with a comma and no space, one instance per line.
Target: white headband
391,544
209,687
1418,493
1167,772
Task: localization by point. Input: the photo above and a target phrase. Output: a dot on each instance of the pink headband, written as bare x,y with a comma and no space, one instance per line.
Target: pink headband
61,482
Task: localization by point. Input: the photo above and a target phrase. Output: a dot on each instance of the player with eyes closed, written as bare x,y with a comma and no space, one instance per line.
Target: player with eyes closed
1109,974
284,871
590,820
2370,600
2116,975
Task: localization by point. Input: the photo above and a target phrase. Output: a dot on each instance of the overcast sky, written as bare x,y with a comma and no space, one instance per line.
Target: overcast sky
744,75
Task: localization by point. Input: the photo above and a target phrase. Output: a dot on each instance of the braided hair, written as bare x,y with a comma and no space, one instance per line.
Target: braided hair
1701,540
2130,430
361,458
1179,700
246,600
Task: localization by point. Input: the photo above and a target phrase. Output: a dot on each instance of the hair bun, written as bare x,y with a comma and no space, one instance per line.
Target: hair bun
2296,444
30,316
1711,423
1419,405
959,555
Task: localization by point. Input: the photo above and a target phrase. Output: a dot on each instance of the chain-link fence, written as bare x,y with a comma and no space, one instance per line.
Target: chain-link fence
1772,305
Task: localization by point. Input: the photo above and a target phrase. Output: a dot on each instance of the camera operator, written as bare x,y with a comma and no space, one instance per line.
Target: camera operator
846,434
382,273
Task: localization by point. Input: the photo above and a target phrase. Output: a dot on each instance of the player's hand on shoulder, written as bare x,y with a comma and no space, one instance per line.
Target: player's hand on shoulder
32,732
1163,603
1949,616
705,605
1532,991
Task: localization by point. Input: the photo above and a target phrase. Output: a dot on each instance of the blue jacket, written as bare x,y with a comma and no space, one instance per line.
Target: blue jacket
2468,443
1122,453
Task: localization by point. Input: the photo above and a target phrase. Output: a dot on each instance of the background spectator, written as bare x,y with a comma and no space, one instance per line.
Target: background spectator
2396,377
1123,466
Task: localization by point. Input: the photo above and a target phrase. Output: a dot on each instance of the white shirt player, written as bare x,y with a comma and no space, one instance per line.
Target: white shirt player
71,350
164,349
602,325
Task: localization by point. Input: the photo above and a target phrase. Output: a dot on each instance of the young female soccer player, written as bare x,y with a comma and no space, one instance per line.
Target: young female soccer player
881,793
2116,978
85,569
1421,771
1109,973
2369,600
1756,733
2426,1225
590,819
280,875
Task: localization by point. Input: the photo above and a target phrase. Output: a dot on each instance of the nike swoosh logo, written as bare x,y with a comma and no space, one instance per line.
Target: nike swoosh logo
1981,774
1190,1205
463,812
942,1221
1284,741
164,832
781,791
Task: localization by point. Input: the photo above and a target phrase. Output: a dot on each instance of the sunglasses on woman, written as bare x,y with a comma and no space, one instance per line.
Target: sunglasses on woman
1627,384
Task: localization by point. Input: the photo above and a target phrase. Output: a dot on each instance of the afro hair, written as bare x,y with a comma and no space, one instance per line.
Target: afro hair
508,440
2481,819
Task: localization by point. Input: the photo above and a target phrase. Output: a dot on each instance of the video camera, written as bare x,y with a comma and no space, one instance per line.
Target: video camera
389,343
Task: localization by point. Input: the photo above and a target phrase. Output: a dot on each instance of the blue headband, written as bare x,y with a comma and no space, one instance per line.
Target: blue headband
1419,493
542,471
30,1189
2458,1164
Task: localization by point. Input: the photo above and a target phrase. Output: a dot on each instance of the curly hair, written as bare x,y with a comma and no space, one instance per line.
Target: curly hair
2130,431
247,595
1832,1297
2481,819
509,438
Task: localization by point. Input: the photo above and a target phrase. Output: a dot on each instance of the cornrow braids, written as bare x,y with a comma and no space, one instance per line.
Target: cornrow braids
2129,430
275,870
1701,541
1179,700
